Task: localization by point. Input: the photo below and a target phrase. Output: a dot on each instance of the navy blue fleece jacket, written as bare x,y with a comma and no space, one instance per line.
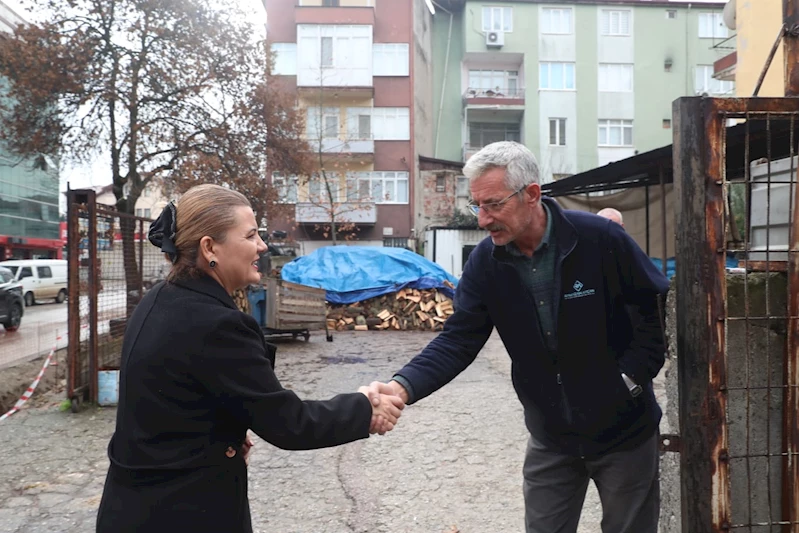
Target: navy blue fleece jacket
575,400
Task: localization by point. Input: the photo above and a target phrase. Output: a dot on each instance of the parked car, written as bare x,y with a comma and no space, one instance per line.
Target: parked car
11,302
41,279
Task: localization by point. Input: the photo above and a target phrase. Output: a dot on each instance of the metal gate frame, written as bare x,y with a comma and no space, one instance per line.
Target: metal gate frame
700,176
84,360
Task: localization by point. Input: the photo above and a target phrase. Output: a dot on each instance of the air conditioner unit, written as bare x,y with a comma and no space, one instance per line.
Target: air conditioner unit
495,39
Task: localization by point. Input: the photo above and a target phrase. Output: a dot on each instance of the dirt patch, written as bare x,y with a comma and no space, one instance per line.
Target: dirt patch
14,380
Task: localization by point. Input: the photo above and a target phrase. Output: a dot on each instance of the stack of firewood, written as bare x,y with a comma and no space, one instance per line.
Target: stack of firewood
408,309
241,301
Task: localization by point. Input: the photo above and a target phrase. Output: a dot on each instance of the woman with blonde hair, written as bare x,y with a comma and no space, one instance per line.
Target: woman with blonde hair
196,374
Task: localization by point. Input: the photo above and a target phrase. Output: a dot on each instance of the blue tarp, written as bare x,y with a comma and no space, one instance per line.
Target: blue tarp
354,273
670,264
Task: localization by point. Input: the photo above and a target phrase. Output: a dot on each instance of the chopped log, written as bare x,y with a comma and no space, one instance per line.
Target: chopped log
361,328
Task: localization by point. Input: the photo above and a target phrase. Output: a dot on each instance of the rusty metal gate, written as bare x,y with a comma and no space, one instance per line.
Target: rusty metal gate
110,266
735,174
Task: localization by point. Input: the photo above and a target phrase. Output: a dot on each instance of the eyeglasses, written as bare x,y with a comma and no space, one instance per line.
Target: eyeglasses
492,207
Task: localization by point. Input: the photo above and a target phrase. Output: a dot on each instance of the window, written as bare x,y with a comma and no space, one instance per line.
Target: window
147,192
556,20
711,26
498,19
44,272
330,3
485,133
498,82
557,132
285,59
615,132
359,123
378,187
138,211
391,123
6,277
556,76
327,52
146,212
286,188
666,123
616,22
462,187
390,59
334,55
26,272
322,125
671,13
706,83
615,78
441,184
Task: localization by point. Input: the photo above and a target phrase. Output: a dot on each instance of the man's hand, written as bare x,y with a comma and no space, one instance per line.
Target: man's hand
387,403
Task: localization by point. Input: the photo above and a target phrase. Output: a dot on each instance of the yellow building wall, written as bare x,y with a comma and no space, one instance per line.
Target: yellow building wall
757,23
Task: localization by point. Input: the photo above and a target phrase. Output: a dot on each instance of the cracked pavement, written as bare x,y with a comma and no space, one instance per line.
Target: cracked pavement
453,464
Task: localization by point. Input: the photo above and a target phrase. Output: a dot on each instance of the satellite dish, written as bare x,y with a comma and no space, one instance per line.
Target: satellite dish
728,15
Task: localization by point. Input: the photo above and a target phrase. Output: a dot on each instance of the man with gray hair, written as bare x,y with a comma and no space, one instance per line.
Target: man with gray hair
554,284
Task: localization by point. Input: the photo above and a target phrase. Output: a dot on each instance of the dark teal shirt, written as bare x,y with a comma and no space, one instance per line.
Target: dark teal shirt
538,275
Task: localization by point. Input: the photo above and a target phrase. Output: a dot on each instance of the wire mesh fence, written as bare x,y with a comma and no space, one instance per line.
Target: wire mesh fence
111,266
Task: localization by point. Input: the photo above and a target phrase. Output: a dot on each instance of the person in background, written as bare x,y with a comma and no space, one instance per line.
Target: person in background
612,214
196,374
555,284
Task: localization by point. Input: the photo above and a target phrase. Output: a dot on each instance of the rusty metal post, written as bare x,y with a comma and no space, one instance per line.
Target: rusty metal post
94,289
790,13
701,297
73,286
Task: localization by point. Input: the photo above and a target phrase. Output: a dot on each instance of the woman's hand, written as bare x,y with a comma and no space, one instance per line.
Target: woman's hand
246,448
386,407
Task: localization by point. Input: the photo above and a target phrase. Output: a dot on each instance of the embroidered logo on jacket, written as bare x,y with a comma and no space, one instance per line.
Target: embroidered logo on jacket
578,291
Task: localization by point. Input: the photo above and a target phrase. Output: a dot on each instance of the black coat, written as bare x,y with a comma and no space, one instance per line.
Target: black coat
195,374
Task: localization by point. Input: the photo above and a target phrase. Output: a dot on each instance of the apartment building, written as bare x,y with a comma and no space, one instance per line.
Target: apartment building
582,83
361,71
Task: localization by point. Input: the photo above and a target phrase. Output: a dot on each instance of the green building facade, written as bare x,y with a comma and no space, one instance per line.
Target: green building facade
582,84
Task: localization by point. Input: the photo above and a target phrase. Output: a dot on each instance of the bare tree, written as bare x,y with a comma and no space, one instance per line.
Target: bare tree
161,86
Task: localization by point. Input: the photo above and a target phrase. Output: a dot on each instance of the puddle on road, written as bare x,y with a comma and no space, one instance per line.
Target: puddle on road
343,360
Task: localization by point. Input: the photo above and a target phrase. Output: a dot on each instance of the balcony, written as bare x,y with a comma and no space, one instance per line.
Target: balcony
469,151
339,12
506,97
342,146
347,212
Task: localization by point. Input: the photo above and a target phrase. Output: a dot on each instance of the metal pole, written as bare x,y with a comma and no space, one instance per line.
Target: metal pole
73,286
663,232
790,481
790,13
646,192
94,289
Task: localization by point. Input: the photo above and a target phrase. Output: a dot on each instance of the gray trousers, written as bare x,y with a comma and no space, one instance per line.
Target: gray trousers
627,482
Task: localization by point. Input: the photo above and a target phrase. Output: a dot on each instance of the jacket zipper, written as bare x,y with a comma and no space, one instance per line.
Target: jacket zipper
567,411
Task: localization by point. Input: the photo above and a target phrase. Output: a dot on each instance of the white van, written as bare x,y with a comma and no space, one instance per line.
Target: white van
41,279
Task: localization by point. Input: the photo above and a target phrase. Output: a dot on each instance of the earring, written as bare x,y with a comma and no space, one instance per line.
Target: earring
212,264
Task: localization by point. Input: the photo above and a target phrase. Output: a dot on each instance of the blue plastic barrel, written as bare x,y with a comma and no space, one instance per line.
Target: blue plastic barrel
257,298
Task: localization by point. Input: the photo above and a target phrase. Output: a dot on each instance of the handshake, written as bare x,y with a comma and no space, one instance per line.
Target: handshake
388,401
